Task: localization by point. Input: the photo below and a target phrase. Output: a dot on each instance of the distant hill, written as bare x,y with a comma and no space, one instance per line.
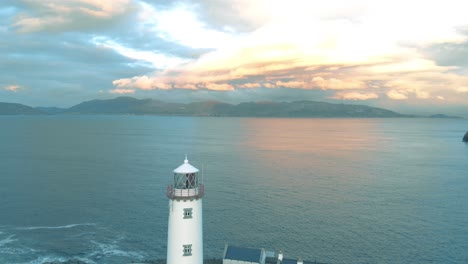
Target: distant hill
51,110
302,109
18,109
131,106
445,116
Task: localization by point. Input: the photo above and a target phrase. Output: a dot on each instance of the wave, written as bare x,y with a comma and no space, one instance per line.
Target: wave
7,240
97,251
106,250
12,250
54,227
54,259
84,234
41,260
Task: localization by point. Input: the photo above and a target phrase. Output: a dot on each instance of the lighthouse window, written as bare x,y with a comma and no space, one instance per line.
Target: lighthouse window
188,250
187,213
185,181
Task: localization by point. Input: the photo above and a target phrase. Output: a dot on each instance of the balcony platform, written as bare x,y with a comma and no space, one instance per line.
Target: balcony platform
181,194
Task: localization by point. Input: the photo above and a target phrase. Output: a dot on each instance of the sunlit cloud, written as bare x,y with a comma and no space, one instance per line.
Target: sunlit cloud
249,85
154,58
58,15
218,86
397,95
357,45
122,91
422,94
181,25
462,89
12,88
142,82
355,96
383,52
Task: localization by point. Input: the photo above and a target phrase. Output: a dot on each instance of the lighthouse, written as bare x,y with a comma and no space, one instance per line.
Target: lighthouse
185,228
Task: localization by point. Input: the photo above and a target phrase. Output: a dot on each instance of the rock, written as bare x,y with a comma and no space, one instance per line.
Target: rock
465,138
159,261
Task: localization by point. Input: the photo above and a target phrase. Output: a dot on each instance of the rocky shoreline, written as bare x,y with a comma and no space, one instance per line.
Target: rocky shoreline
159,261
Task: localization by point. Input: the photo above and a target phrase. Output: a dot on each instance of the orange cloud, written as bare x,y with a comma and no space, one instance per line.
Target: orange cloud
422,94
293,84
142,82
357,46
337,84
462,89
249,85
12,88
218,86
122,91
397,95
355,96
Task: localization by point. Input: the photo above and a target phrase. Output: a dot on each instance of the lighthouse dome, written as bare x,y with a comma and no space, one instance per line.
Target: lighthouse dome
186,168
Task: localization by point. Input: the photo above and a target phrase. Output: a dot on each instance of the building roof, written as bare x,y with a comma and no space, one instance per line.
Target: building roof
186,168
243,254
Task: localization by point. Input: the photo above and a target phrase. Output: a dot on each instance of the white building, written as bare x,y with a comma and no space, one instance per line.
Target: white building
185,228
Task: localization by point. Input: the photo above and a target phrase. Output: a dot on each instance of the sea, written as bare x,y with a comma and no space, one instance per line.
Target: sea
332,190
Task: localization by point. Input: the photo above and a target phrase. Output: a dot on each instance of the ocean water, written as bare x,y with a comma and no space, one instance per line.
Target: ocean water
331,190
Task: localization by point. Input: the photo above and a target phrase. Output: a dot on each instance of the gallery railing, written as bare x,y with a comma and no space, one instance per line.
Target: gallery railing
195,193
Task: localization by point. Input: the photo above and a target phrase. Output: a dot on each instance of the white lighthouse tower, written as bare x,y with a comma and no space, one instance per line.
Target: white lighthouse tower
185,229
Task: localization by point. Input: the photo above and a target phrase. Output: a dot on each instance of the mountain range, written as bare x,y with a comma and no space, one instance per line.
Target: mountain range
132,106
18,109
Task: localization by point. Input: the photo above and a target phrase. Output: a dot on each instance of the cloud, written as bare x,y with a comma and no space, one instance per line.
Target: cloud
448,54
463,89
291,84
122,91
236,49
59,69
180,24
422,94
154,58
351,46
218,86
249,85
355,96
58,15
142,82
233,16
12,88
397,95
337,84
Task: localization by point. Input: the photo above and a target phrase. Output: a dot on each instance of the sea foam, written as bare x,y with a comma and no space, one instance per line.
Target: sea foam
55,227
104,249
7,240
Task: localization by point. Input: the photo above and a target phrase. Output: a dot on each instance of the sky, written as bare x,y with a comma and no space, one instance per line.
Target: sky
408,56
